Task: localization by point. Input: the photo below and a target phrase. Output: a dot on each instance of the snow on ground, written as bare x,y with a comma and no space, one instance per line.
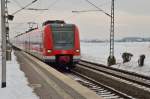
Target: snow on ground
99,52
17,84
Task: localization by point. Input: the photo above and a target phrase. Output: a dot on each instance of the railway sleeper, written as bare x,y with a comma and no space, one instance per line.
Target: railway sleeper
114,82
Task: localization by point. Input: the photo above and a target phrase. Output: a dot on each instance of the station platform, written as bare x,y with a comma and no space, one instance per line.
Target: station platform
48,83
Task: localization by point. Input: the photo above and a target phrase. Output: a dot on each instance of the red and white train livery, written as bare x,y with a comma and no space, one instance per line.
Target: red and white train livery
56,42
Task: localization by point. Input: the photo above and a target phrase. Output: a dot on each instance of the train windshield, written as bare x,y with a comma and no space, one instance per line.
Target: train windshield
63,36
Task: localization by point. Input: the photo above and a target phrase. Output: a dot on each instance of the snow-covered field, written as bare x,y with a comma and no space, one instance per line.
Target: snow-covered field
17,84
99,52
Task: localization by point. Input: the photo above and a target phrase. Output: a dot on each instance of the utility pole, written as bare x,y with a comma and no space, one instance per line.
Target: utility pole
111,58
8,46
3,34
6,50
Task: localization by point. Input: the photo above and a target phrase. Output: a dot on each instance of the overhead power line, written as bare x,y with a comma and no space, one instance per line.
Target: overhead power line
24,7
98,8
35,9
84,11
43,9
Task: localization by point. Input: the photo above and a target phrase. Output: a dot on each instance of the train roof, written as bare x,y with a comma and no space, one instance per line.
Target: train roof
53,22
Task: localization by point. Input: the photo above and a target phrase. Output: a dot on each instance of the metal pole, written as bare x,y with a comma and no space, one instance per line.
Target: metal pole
8,46
111,58
112,31
3,34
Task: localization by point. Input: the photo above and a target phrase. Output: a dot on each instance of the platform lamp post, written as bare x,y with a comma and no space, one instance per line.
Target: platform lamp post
5,36
111,59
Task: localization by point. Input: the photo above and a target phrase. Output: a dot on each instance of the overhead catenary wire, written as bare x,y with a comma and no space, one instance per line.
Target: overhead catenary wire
24,7
54,3
48,8
102,4
98,8
84,11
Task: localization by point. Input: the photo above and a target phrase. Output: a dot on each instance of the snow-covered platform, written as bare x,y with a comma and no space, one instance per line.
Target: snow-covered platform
17,84
48,83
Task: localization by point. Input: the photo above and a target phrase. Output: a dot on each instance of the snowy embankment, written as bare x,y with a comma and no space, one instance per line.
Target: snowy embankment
99,52
17,84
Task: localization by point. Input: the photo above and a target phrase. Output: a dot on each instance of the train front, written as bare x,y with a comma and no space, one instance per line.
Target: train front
64,43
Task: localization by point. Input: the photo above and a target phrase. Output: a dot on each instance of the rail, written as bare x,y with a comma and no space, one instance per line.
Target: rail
130,76
130,83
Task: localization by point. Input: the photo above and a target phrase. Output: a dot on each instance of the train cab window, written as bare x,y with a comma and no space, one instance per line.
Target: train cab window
63,37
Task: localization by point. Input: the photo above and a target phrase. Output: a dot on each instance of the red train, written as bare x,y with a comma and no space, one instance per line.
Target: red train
56,42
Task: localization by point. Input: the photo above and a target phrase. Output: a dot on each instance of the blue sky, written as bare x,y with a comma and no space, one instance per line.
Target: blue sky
132,17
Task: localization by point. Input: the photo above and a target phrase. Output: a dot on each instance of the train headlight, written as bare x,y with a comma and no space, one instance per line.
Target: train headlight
49,51
78,51
62,25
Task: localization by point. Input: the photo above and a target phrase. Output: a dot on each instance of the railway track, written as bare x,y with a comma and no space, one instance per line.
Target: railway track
104,91
111,83
129,83
130,76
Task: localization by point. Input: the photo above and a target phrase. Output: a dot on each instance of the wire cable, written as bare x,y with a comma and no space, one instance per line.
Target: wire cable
98,8
24,7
